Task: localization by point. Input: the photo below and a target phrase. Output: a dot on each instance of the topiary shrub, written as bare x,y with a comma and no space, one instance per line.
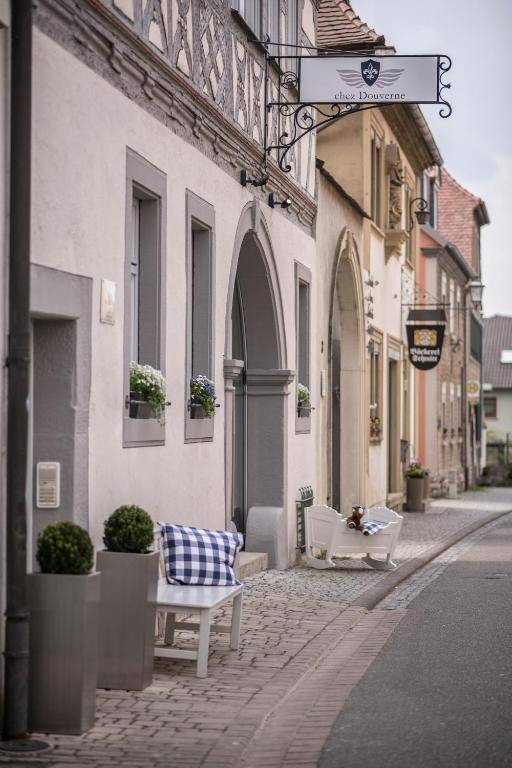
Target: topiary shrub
128,529
65,548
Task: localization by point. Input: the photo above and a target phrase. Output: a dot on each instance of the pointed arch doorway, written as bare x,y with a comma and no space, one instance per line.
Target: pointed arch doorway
256,381
347,381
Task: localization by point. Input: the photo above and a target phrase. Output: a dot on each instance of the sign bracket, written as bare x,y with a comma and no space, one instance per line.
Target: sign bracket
287,119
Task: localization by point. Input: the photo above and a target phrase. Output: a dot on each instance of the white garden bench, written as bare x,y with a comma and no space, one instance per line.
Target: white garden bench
176,599
327,531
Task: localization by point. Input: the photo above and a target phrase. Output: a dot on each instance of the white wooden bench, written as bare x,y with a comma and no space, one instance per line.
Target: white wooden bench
176,599
327,531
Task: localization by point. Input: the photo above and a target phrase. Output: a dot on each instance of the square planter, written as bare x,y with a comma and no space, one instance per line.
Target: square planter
197,411
415,494
127,619
141,409
64,612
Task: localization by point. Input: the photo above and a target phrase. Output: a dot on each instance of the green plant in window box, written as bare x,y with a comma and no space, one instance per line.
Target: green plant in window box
147,392
303,400
202,397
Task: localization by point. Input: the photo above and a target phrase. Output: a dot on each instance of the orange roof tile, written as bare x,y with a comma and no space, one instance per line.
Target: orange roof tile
340,27
458,211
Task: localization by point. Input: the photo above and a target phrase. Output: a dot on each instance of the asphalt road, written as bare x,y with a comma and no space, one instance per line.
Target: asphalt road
440,692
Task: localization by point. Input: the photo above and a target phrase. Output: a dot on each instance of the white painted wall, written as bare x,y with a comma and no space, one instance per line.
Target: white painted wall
336,217
503,423
82,127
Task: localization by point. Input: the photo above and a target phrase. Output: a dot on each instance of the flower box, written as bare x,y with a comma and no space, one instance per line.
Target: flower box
197,411
141,409
147,392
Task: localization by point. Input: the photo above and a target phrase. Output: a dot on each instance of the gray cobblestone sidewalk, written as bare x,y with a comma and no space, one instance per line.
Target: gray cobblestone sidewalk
290,619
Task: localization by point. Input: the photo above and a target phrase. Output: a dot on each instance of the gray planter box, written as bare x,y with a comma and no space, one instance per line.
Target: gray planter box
64,612
127,619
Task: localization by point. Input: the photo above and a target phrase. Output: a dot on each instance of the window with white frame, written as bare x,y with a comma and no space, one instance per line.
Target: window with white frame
250,11
303,335
452,306
376,177
444,414
458,310
407,221
272,26
375,388
443,287
452,410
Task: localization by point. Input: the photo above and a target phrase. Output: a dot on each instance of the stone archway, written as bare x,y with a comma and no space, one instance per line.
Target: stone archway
256,379
347,379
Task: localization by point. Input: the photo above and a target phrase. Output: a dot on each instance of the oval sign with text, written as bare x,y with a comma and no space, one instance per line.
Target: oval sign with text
425,345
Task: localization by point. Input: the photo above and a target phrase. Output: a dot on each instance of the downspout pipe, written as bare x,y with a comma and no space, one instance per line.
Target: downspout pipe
15,720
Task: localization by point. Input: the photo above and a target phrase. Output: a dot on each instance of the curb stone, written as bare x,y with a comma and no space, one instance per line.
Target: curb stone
374,595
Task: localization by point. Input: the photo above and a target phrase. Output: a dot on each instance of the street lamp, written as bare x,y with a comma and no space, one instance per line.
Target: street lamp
422,212
475,289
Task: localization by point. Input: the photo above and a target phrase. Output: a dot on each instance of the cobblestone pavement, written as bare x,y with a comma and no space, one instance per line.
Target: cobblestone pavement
304,646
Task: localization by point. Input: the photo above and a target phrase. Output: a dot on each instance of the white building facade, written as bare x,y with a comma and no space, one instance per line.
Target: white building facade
146,247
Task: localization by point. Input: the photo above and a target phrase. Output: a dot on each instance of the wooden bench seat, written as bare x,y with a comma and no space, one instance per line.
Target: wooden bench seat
177,599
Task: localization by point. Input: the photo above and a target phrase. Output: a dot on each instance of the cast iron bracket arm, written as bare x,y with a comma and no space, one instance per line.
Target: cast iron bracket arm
301,121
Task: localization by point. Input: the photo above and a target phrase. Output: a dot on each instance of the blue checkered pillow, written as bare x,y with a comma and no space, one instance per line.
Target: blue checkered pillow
198,556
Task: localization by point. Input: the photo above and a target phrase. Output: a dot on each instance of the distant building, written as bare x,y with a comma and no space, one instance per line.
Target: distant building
371,166
497,378
449,427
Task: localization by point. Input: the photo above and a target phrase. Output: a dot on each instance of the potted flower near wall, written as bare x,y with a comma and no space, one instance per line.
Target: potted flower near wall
63,602
128,600
202,398
415,475
303,401
147,392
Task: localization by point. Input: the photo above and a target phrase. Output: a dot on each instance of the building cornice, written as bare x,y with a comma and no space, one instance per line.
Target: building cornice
413,134
97,38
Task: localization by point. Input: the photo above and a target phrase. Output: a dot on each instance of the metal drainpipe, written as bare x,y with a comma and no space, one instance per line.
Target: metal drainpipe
17,619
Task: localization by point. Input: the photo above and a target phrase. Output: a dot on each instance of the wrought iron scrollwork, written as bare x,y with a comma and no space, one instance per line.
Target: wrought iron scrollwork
289,80
301,120
444,65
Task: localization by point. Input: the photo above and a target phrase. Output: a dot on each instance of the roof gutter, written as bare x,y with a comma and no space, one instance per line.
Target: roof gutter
425,133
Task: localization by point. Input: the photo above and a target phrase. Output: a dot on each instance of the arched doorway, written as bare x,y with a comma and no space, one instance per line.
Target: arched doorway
347,381
256,381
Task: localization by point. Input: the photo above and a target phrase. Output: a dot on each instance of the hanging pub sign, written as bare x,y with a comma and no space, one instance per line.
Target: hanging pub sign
369,79
425,336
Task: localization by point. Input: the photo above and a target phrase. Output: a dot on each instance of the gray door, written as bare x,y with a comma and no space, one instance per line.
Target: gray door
239,511
335,500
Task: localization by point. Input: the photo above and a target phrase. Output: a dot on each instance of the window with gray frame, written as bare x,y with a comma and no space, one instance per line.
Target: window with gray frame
250,11
200,335
476,338
376,175
144,282
303,330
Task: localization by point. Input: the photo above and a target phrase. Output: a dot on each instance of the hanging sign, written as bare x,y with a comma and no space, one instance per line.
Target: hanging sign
473,391
425,336
371,79
425,345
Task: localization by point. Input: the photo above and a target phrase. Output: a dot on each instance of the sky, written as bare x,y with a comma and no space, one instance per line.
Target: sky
476,141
